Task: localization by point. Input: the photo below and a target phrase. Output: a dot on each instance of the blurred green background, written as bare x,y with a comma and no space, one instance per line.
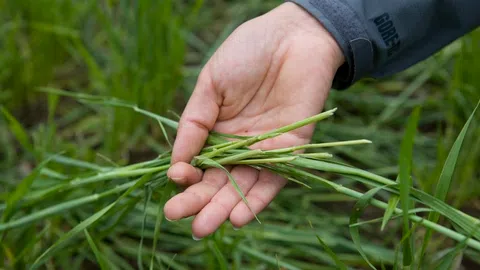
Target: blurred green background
150,52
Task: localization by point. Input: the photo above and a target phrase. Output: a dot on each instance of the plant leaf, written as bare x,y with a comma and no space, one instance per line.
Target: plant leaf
375,220
457,217
148,192
22,189
392,205
169,187
164,131
446,177
338,262
340,265
18,131
108,101
405,160
404,238
69,235
222,261
96,251
64,239
360,205
446,263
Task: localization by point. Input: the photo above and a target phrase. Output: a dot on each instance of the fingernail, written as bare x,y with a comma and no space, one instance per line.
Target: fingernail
171,220
196,238
178,180
236,228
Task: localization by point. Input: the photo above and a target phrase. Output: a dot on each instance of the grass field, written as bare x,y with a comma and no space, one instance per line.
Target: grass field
149,54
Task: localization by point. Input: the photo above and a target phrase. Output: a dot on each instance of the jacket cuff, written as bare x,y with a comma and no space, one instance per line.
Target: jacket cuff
350,33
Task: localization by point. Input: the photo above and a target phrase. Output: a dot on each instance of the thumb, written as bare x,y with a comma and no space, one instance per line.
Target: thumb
197,120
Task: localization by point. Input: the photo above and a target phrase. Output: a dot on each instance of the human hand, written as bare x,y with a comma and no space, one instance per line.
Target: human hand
271,71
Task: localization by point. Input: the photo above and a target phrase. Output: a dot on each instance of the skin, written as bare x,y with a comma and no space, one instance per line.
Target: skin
271,71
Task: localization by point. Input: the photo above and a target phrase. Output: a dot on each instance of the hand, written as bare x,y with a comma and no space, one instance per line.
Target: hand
272,71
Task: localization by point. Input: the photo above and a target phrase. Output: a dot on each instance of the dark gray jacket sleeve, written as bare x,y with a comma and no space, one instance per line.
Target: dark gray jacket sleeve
382,37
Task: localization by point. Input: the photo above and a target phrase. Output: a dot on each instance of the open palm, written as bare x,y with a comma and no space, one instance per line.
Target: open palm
272,71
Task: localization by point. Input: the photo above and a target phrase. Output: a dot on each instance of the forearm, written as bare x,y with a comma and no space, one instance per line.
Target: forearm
379,38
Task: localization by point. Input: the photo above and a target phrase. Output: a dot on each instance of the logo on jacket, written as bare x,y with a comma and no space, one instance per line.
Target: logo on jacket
388,32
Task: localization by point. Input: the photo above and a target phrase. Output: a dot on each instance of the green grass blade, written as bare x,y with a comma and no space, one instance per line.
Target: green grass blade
448,169
61,207
446,263
405,237
109,101
70,235
22,189
376,220
164,131
358,209
165,195
298,182
392,205
446,176
148,196
261,256
68,161
130,204
172,260
339,264
86,223
31,244
98,255
405,160
107,160
463,220
17,130
222,261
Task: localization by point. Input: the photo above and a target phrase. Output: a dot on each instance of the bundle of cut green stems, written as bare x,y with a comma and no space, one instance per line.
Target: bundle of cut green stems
120,184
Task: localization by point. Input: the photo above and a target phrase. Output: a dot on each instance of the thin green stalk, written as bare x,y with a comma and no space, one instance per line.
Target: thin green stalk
405,163
340,169
271,134
316,155
446,176
215,146
237,145
150,163
317,145
263,161
234,158
119,173
164,120
63,207
463,220
253,253
100,177
104,100
283,169
376,220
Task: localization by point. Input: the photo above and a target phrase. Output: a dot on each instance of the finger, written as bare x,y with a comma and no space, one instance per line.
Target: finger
197,120
184,174
218,209
195,197
259,197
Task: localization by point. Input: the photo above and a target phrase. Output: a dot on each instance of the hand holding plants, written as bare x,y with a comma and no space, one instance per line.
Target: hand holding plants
272,71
